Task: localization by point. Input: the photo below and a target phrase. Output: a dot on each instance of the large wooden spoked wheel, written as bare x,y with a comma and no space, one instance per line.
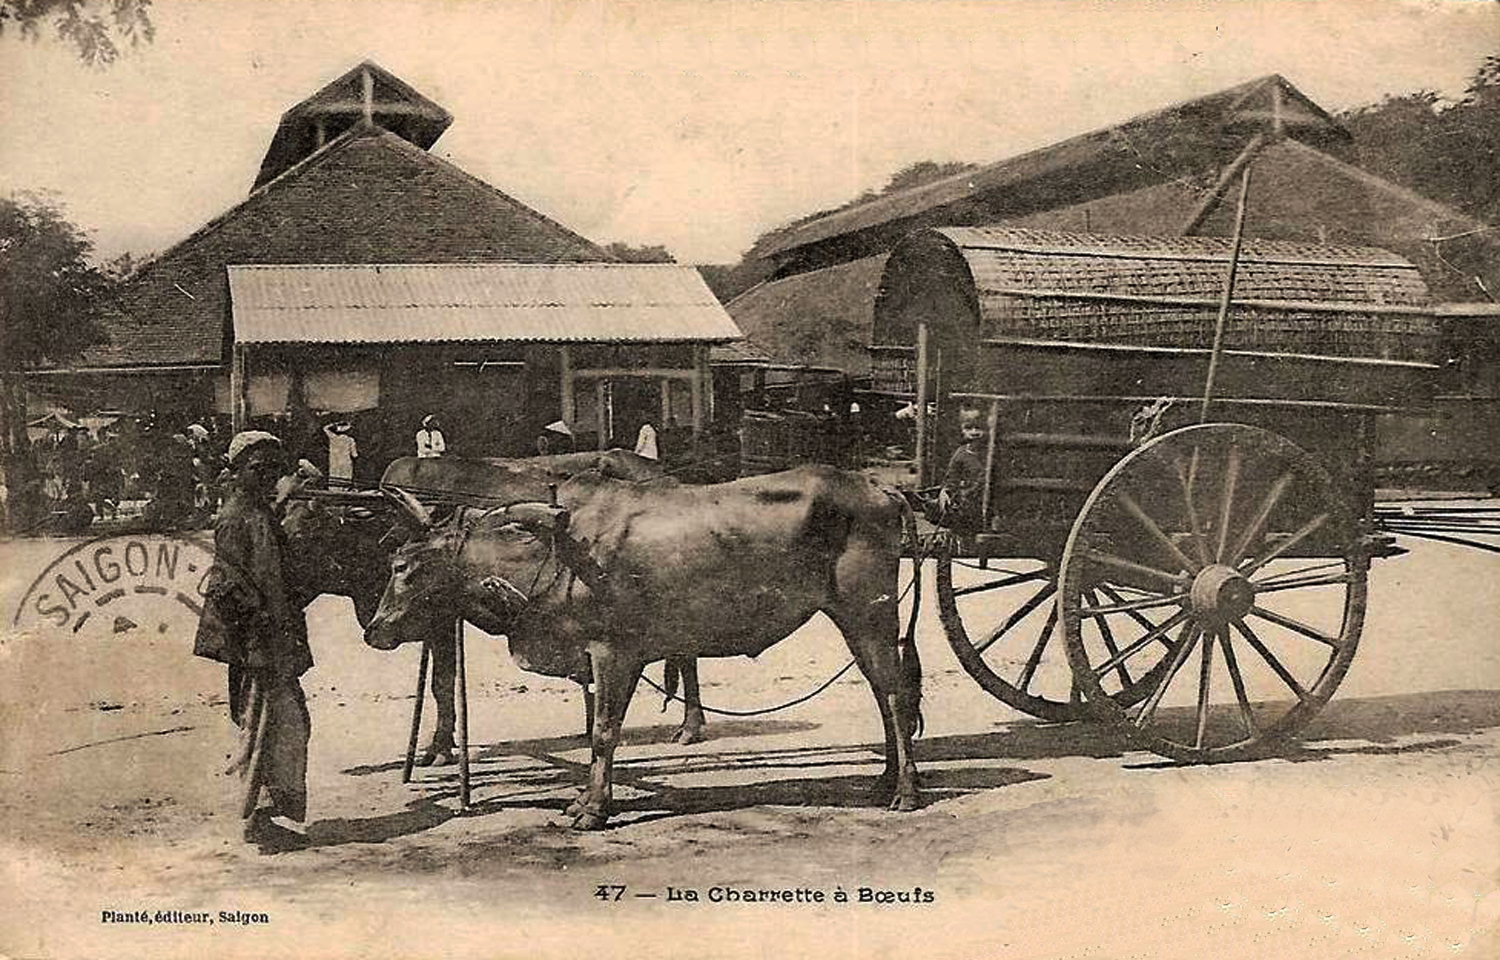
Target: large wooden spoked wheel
1223,564
1001,620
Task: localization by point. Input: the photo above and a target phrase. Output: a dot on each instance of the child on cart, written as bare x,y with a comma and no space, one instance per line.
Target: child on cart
958,501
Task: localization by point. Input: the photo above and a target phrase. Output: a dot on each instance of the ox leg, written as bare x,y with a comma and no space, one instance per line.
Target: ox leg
691,730
895,680
439,751
588,711
615,678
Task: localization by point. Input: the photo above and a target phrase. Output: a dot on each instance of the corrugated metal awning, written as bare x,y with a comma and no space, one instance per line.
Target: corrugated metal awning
495,302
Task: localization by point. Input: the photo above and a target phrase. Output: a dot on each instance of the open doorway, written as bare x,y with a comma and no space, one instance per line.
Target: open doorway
633,401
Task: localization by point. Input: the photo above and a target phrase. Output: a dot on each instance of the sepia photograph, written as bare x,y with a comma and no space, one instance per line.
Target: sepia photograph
937,479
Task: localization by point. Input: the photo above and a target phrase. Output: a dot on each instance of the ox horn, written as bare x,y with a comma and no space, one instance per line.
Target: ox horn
537,515
410,504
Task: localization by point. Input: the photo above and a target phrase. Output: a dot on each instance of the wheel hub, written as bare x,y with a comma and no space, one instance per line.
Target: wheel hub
1221,594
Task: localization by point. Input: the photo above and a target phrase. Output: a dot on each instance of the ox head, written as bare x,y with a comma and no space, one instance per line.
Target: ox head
342,550
477,568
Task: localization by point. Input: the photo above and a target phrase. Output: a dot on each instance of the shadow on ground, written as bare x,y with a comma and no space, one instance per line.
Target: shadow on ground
531,775
1376,726
656,734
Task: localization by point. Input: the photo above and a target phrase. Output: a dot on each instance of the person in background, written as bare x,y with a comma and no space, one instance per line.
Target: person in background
342,450
556,437
253,623
646,442
105,480
430,441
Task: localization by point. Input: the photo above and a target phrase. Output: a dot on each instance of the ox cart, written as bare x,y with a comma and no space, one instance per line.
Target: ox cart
1173,525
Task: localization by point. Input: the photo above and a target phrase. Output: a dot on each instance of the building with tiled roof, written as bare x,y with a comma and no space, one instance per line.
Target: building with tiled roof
347,182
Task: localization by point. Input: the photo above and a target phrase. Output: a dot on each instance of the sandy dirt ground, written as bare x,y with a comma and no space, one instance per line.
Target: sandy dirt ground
1376,836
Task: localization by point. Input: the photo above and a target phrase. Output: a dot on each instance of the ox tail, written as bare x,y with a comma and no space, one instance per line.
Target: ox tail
670,672
906,646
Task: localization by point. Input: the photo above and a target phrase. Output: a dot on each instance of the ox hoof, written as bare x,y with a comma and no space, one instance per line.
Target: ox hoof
590,819
437,757
905,803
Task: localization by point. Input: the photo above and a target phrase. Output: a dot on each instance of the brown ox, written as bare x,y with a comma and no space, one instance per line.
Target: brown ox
347,552
626,574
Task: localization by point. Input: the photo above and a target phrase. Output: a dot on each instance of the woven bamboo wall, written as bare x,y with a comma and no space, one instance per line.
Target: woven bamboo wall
1023,280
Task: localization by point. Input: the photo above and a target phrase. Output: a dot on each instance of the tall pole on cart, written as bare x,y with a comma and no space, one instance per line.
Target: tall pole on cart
1234,263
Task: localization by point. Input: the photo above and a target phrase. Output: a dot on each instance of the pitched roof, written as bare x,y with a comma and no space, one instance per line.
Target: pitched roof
1145,149
496,302
367,197
394,105
823,317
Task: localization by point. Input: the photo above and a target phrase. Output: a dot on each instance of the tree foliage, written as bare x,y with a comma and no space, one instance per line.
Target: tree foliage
625,253
95,29
922,173
50,290
1448,151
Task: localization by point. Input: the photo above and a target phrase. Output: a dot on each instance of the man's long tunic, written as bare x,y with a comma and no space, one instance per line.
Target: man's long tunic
252,621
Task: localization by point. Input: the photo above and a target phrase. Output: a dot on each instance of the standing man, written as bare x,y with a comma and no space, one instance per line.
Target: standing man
645,442
556,437
252,621
341,450
430,439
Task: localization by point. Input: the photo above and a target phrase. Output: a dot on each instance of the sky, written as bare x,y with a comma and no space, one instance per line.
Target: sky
695,124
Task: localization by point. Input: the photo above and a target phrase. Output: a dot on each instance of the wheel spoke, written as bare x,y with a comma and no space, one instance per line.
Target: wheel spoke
1130,606
1109,643
1226,504
1001,584
1125,607
1184,649
1324,581
1271,661
1238,681
1150,526
1204,675
1016,617
1297,626
1301,572
1303,532
1130,566
1156,633
1273,497
1035,660
1187,475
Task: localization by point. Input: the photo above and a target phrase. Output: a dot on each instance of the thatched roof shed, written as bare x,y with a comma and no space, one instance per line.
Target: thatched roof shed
972,284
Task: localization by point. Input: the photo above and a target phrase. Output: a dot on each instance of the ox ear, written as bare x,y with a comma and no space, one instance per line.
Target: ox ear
409,505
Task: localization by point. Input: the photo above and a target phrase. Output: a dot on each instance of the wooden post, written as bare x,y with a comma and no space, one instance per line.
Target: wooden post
416,715
706,375
239,387
569,401
922,388
1234,262
989,462
697,397
666,400
461,683
1210,202
602,414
